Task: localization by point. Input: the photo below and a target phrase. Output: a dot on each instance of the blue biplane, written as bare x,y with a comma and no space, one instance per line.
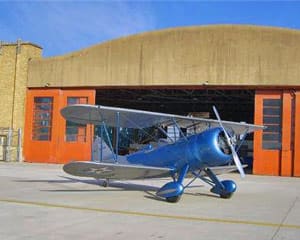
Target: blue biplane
205,153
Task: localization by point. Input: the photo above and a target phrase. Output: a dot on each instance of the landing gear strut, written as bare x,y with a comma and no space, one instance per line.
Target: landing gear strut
172,191
224,189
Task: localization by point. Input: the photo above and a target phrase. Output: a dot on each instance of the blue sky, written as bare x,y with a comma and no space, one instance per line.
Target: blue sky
61,27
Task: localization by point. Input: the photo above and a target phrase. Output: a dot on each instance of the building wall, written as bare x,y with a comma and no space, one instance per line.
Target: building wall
14,60
219,55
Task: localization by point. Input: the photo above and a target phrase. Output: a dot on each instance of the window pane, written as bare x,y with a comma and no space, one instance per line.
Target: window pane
272,120
272,103
42,118
272,128
274,111
75,132
271,145
73,100
274,137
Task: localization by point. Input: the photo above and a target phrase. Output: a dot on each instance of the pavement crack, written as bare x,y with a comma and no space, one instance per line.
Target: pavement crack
284,218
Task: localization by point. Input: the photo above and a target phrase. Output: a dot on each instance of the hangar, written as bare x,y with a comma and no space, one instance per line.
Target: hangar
250,73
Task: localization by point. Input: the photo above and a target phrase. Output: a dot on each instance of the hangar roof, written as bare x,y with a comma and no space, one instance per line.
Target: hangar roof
216,55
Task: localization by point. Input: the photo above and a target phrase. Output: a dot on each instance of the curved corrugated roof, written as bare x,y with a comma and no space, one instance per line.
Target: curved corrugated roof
231,55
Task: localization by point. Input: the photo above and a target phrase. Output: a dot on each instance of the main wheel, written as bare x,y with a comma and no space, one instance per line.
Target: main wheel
226,195
173,199
230,188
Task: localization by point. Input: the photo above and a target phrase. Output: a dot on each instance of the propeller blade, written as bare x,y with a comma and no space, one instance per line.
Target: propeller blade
233,152
238,163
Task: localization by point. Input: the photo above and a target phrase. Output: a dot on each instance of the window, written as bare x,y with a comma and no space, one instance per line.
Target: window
42,118
293,112
272,120
76,132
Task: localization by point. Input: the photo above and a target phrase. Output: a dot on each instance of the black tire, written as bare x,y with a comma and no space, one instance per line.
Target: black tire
226,195
174,199
105,184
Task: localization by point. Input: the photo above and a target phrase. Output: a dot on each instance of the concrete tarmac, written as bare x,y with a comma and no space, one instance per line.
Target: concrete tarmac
40,201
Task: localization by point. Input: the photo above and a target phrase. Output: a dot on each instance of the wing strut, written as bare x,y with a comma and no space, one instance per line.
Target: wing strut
109,142
242,140
101,144
166,134
179,129
117,134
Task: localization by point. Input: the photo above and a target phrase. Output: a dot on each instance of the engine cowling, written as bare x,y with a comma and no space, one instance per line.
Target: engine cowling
211,148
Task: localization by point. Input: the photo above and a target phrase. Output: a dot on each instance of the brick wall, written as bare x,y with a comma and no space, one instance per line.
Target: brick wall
14,58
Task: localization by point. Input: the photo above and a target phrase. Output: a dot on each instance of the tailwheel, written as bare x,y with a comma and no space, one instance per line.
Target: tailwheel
105,183
173,199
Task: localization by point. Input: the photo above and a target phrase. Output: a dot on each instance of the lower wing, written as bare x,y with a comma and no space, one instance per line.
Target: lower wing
223,169
114,170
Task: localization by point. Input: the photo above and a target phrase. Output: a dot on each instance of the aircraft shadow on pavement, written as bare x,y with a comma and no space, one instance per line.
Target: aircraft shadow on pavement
113,185
199,194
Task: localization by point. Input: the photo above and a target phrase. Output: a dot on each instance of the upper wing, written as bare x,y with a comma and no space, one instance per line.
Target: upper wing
114,170
130,118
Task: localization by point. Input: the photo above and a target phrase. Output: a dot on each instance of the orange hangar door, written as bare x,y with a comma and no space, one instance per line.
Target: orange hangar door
276,148
296,168
267,143
41,124
48,137
76,139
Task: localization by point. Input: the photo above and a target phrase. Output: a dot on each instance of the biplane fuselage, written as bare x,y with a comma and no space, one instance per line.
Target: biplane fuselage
198,151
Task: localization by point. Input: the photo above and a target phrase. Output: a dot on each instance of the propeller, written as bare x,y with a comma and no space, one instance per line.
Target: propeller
229,141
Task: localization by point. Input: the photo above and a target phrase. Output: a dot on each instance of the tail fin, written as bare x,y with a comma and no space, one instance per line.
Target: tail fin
101,151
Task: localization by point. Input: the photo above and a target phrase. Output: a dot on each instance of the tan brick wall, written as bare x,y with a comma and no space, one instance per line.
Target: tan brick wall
13,82
7,74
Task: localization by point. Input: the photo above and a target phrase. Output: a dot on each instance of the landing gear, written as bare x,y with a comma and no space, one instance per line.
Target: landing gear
224,189
172,191
229,189
105,183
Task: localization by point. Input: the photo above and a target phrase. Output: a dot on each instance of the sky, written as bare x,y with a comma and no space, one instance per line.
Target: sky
61,27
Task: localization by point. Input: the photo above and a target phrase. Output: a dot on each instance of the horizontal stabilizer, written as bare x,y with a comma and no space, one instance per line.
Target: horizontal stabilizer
114,170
